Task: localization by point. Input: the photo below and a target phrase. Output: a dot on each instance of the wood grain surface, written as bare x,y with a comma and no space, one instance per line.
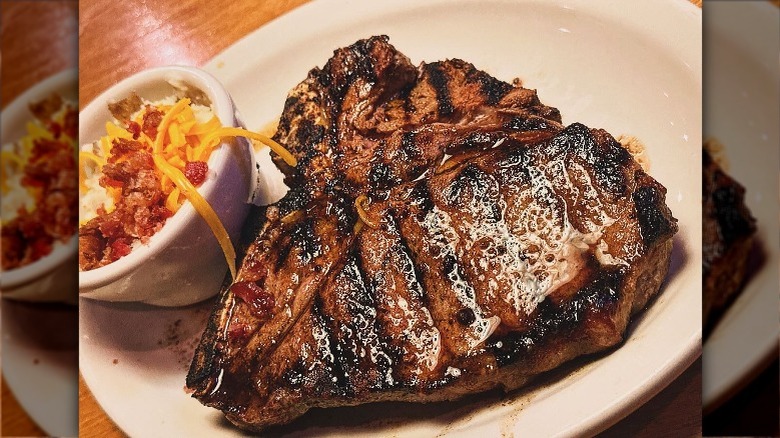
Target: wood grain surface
15,422
38,40
117,40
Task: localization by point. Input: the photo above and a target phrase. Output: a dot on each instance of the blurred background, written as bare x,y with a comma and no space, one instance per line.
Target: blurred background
741,49
39,329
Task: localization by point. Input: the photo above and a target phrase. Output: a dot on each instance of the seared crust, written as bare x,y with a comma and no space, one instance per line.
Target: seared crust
339,120
532,245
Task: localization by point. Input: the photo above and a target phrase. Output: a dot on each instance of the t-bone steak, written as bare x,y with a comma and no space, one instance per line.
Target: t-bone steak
444,234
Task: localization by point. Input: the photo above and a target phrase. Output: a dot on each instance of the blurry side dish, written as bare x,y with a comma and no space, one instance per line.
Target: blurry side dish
38,184
151,160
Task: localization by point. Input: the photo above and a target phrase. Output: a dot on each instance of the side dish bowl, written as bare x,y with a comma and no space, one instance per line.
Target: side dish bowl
182,263
51,278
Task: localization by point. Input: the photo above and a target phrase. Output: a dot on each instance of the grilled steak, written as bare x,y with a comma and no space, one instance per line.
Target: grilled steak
357,120
533,244
727,234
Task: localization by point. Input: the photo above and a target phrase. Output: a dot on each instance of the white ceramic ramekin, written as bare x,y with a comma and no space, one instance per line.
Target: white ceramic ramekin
182,263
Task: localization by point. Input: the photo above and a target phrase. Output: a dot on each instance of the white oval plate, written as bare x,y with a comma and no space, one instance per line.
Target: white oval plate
631,67
741,100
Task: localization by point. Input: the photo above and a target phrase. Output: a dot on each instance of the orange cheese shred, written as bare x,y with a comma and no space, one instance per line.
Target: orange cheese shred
181,138
202,207
238,132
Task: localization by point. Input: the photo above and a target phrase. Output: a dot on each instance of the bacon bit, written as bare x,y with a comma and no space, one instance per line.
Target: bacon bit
54,128
46,175
112,228
135,129
196,171
111,182
260,302
239,331
119,249
160,212
32,182
29,229
40,248
152,120
122,147
71,123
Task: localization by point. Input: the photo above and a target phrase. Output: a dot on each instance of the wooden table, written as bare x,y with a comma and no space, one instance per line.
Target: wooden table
114,43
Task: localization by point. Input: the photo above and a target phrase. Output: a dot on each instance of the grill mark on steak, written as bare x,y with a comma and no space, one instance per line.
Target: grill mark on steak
405,303
594,302
384,352
294,282
607,163
652,222
439,81
368,91
523,250
732,222
474,200
474,191
409,145
492,88
726,217
338,363
416,286
444,279
366,353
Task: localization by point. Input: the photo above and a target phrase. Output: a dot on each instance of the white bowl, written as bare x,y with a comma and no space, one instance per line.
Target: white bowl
51,278
182,263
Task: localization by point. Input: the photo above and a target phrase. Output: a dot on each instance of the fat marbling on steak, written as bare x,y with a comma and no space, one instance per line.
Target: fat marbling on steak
532,244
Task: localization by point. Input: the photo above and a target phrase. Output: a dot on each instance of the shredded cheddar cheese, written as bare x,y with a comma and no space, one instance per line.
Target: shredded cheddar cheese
202,207
276,147
181,138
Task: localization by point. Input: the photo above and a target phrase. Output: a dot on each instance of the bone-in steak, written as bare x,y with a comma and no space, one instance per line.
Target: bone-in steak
532,244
